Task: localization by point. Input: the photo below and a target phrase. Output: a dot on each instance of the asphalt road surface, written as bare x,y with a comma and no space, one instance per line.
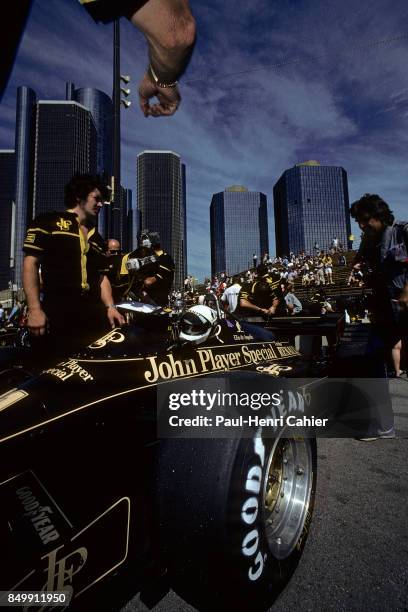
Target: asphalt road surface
356,558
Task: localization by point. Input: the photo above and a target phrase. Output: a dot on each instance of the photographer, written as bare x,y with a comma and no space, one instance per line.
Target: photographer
384,252
384,249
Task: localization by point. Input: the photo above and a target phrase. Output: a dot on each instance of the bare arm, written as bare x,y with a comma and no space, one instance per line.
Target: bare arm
37,320
114,316
149,281
170,30
247,304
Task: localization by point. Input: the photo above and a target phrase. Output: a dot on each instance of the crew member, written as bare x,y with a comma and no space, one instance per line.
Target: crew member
153,280
262,296
77,299
118,281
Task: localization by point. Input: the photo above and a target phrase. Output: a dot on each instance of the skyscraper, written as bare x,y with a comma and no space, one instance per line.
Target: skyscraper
64,144
100,106
23,196
184,200
128,237
160,203
7,197
311,205
239,229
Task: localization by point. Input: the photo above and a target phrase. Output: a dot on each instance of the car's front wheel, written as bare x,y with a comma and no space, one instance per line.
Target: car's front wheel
234,516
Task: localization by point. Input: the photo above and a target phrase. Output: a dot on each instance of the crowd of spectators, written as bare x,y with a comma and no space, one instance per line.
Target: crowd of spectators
12,317
313,271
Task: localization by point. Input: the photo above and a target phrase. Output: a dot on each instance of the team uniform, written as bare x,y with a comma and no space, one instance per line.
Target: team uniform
162,269
71,271
261,293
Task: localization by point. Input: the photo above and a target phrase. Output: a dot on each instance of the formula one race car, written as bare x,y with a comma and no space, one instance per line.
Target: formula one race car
94,503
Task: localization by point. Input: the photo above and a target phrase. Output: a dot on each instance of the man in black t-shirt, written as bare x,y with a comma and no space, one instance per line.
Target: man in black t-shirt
65,260
262,296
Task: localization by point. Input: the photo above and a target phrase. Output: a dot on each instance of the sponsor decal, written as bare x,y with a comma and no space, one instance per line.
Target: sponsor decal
213,360
39,516
241,335
67,369
64,224
274,369
114,336
250,545
83,560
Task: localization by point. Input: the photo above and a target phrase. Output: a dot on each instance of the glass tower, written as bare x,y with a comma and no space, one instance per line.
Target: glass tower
26,99
7,196
161,204
239,229
100,105
311,206
65,144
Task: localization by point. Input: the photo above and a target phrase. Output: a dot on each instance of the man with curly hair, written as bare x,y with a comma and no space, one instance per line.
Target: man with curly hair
65,261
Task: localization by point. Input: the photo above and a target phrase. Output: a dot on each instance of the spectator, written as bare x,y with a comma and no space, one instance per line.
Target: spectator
328,270
293,304
230,295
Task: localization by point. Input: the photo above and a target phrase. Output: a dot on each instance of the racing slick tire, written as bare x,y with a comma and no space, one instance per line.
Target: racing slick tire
234,516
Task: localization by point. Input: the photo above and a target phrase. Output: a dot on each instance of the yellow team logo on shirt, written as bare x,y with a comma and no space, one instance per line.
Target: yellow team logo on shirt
30,238
63,224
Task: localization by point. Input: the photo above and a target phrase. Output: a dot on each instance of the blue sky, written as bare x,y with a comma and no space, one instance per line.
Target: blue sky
271,83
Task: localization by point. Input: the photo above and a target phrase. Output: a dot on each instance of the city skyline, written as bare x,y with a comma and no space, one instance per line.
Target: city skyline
239,229
311,205
7,212
161,205
322,81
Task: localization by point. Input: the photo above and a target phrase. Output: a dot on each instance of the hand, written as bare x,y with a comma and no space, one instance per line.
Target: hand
114,317
37,322
169,98
403,299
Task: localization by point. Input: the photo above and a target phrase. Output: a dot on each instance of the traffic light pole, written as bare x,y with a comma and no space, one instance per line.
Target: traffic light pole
113,226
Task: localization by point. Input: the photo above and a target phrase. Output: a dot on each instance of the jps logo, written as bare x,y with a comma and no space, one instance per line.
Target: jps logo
113,336
64,224
59,572
30,238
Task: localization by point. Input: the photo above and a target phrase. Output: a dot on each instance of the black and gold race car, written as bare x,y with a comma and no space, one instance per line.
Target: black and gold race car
95,502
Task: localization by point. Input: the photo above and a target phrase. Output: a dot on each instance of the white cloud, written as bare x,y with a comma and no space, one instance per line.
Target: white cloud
337,97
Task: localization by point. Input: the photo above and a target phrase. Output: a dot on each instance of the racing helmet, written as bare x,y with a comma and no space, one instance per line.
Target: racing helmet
197,323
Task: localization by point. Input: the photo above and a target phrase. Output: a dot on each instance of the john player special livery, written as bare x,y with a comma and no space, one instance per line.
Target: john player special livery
90,496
